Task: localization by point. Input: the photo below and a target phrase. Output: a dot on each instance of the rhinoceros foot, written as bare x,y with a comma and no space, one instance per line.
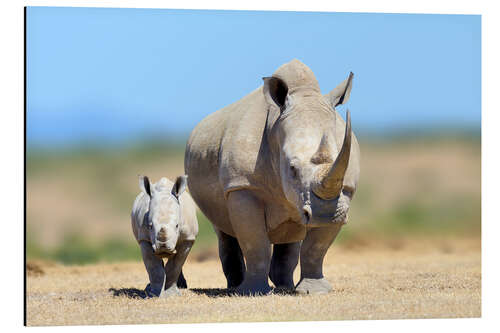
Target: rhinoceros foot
313,286
253,288
152,292
157,292
172,291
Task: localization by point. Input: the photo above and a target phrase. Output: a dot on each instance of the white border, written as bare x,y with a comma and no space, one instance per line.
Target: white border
424,6
11,88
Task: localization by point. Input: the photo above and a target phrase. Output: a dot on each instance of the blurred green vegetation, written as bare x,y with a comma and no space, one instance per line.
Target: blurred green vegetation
76,249
410,185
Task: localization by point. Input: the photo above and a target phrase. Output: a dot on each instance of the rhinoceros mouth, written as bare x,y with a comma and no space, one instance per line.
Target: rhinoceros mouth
164,254
327,212
162,251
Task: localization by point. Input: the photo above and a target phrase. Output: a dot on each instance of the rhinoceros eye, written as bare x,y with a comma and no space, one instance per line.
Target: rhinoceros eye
293,171
348,191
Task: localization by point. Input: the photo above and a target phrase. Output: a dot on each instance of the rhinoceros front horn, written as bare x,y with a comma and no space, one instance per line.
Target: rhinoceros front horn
331,184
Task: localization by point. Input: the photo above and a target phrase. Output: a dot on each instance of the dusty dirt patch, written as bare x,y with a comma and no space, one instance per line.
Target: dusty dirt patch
415,280
34,269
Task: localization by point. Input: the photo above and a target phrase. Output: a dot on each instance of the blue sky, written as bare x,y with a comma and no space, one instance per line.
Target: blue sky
116,75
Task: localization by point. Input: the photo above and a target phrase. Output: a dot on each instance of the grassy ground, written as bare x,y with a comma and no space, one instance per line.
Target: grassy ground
411,248
373,279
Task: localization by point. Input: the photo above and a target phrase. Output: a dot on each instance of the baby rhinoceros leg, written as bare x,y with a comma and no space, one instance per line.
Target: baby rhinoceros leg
156,272
173,270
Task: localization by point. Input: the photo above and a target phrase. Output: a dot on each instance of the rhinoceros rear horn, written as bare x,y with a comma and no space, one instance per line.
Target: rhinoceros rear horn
331,185
276,89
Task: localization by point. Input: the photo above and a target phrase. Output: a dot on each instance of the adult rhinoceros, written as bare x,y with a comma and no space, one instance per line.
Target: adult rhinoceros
279,166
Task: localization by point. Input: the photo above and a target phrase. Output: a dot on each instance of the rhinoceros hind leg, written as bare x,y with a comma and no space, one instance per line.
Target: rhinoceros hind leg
181,282
231,257
312,253
283,263
246,213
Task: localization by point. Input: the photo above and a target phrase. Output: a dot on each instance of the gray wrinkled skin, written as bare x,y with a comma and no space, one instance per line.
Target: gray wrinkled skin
164,224
278,169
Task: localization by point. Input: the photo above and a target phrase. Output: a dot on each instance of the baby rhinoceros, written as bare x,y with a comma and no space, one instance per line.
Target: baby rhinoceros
165,226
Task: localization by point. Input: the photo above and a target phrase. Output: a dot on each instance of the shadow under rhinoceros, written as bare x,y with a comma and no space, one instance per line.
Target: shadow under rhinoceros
129,292
213,292
220,292
210,292
138,293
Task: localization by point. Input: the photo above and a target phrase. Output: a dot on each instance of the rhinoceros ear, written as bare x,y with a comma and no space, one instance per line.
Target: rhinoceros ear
145,185
341,93
179,186
275,89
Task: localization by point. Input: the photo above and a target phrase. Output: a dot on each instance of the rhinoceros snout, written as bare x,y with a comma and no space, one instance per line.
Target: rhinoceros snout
162,235
162,249
164,243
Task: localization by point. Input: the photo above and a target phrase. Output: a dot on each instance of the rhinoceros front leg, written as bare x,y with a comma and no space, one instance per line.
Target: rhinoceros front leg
284,261
247,219
312,253
173,268
154,267
231,258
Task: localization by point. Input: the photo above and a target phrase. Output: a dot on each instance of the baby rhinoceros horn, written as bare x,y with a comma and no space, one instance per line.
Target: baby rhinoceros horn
331,184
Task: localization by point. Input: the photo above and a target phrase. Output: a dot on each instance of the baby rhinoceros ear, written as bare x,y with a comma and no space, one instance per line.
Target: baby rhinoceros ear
145,185
179,186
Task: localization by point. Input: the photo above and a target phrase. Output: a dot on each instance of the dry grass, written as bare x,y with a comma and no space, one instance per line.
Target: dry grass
374,280
430,188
